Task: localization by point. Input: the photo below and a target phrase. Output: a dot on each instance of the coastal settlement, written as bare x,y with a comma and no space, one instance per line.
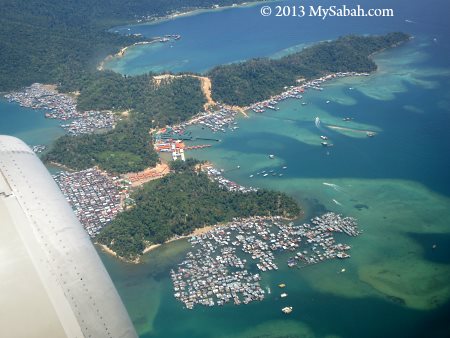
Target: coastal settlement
219,269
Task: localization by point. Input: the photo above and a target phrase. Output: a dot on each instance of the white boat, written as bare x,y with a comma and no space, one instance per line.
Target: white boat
287,309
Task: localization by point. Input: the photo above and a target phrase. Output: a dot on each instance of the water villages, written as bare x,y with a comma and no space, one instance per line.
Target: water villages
219,271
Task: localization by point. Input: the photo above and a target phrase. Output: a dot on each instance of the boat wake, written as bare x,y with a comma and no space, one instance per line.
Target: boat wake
337,202
317,122
334,186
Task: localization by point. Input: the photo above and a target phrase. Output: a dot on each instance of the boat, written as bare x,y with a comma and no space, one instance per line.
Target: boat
347,119
328,101
282,285
271,156
251,176
342,255
284,167
287,309
370,134
325,144
323,137
265,175
283,295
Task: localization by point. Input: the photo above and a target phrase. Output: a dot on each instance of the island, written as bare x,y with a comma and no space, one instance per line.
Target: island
151,113
135,110
181,202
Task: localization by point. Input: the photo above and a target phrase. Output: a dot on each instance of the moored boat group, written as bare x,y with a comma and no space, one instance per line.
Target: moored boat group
221,268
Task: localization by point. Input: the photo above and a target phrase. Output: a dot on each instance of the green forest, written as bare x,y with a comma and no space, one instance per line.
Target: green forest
128,148
53,41
181,202
258,79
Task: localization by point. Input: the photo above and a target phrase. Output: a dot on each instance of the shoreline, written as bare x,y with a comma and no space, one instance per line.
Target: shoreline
195,232
200,10
173,16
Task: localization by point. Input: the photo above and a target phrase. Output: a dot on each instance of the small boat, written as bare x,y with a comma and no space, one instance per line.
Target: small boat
328,101
271,156
287,309
265,175
323,137
282,285
370,134
325,144
251,176
285,167
283,295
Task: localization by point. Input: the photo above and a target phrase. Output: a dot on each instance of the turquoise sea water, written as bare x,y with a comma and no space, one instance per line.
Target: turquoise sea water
28,124
396,183
232,35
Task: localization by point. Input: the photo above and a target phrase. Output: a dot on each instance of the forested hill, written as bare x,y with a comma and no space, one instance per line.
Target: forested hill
128,146
258,79
53,41
181,202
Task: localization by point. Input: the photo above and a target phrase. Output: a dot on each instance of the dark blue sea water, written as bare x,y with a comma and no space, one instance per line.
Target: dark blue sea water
397,183
232,35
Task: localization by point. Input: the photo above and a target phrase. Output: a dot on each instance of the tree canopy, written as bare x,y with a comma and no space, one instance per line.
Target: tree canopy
256,80
181,202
